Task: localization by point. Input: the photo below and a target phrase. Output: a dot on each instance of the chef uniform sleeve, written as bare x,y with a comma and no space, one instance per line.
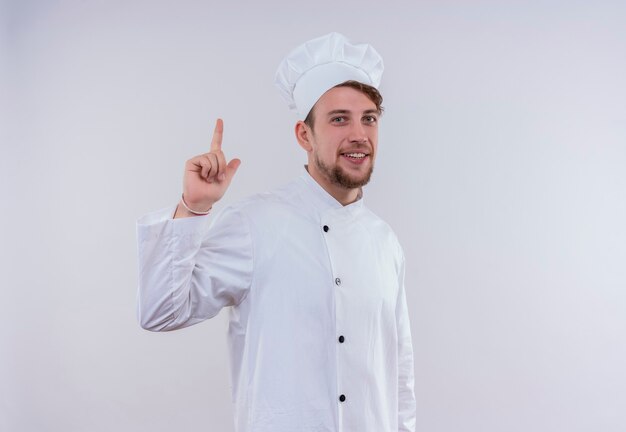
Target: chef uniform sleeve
189,271
406,393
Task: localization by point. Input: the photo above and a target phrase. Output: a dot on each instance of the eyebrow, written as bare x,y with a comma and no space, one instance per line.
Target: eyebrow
345,111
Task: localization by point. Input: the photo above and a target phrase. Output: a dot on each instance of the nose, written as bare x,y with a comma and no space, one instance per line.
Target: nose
357,133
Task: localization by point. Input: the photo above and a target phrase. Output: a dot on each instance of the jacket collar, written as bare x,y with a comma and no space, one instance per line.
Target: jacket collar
324,201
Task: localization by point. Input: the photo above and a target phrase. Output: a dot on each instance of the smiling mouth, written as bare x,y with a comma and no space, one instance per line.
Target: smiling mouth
355,155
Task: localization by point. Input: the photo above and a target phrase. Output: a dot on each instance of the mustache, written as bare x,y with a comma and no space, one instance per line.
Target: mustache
359,148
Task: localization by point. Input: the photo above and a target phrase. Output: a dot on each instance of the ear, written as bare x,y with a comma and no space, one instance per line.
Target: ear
303,135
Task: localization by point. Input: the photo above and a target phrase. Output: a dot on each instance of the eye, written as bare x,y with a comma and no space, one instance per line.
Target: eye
370,119
340,119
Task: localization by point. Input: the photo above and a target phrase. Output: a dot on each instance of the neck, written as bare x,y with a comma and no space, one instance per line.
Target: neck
344,195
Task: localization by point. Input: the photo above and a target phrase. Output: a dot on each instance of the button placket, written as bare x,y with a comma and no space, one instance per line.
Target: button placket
335,245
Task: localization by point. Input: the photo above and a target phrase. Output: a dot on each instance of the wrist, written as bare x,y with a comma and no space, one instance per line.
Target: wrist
185,209
181,212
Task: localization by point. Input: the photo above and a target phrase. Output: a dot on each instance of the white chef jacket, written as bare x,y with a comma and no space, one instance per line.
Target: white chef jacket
319,333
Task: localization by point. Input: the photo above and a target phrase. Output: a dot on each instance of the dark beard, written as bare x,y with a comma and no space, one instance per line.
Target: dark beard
338,177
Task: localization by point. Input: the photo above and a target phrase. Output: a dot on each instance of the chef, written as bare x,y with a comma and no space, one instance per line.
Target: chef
319,333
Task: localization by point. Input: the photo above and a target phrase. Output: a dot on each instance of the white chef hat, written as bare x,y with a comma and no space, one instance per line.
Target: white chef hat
320,64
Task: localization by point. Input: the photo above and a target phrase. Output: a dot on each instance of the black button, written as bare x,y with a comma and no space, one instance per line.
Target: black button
337,281
326,228
341,339
342,398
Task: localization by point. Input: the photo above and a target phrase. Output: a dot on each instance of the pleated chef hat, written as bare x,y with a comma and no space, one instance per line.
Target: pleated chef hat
320,64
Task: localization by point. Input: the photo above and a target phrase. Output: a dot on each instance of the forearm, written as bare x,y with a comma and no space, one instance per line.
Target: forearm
187,271
407,409
406,392
166,254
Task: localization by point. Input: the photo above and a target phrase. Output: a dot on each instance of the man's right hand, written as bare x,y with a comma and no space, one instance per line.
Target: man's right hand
207,177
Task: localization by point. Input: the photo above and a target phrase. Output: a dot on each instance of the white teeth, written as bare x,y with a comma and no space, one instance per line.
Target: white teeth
356,155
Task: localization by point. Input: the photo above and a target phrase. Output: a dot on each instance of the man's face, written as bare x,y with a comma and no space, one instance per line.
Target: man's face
345,137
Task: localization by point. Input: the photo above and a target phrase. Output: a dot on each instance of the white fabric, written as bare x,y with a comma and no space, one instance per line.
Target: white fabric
316,66
294,289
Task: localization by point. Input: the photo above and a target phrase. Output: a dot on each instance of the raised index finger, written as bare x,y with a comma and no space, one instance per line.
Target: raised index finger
216,142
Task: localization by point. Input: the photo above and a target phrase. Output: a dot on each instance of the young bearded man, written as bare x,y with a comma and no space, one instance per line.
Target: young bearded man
319,333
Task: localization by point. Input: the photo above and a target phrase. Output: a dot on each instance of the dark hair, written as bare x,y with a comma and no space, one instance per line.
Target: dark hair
371,92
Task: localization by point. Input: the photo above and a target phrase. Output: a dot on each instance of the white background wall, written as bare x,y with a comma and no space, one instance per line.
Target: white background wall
502,169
